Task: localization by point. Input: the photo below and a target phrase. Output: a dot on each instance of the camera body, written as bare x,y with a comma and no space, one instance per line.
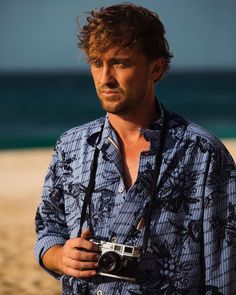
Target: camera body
118,261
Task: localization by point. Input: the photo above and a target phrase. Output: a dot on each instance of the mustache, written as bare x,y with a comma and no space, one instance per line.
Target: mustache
104,88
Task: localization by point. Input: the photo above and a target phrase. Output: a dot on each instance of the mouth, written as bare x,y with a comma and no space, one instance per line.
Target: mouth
109,93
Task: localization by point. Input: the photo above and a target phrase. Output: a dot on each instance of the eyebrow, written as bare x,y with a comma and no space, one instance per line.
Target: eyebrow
92,60
120,59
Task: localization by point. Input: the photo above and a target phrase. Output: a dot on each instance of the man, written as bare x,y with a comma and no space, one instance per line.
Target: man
141,177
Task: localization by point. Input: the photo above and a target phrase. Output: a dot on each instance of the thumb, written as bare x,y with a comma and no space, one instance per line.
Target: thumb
86,234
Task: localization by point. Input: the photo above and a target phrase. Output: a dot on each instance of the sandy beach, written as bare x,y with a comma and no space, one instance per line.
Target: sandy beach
21,177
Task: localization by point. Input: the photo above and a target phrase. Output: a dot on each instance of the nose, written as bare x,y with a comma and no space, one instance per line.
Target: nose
106,75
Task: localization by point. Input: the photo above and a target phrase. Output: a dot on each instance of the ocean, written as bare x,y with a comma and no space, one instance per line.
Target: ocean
37,107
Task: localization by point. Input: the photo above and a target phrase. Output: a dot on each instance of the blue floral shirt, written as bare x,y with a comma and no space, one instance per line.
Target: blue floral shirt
192,244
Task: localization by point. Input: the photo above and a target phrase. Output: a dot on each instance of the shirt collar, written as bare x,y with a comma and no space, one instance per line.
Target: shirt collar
176,126
150,134
104,129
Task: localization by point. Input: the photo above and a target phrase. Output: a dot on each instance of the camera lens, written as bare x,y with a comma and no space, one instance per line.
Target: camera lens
110,262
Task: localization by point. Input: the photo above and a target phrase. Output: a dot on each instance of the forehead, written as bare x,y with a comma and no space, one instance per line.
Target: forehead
117,53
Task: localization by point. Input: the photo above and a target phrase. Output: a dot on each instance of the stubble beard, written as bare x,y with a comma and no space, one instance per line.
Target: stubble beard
114,104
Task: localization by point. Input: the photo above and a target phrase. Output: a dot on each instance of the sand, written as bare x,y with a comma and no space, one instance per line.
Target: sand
21,178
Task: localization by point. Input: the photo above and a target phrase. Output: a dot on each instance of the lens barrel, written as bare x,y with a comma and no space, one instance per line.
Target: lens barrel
110,262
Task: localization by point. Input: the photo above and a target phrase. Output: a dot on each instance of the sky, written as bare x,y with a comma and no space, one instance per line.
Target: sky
41,35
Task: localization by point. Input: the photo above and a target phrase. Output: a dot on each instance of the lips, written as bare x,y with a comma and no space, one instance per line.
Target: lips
110,92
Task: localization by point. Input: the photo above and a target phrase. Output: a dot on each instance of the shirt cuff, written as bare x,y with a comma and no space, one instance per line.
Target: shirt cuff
42,245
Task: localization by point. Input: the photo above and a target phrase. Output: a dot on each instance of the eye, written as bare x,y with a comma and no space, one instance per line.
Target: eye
120,63
96,63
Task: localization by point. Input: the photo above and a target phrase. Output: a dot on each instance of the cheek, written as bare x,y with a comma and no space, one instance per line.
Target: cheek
134,84
95,76
127,81
96,83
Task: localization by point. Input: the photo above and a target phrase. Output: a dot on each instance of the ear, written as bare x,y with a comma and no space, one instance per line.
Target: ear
158,67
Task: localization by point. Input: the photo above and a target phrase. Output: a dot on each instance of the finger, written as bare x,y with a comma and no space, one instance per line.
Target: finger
82,265
86,234
72,265
80,273
84,256
81,243
84,273
86,245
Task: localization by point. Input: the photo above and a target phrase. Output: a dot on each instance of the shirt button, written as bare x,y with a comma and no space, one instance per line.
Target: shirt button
120,189
99,292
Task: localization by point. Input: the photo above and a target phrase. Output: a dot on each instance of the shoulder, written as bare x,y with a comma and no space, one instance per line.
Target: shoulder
194,134
76,136
198,133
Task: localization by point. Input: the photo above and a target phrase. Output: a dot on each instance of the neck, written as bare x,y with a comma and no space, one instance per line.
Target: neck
128,125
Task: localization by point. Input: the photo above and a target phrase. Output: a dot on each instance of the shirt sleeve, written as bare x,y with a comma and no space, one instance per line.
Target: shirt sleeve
50,220
219,225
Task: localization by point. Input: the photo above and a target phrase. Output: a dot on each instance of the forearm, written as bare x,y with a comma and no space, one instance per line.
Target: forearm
52,259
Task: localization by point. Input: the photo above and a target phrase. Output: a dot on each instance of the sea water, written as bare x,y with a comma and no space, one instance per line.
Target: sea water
37,107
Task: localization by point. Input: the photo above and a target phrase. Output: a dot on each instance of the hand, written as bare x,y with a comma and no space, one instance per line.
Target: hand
79,256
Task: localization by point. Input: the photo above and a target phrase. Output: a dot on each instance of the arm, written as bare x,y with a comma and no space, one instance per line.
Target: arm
50,221
219,225
55,251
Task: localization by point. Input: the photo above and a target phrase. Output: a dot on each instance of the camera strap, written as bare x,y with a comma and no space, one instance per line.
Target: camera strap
154,187
156,173
91,184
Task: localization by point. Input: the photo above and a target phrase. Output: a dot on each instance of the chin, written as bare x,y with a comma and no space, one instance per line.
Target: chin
117,111
112,107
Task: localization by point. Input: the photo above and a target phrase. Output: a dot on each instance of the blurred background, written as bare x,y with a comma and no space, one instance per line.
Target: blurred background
46,88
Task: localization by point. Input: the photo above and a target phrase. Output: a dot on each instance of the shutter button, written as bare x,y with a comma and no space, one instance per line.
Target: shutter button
114,239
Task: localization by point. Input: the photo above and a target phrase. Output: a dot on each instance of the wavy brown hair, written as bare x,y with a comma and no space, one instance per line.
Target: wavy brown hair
125,26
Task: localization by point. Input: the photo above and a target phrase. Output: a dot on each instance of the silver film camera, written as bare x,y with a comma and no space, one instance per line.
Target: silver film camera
118,261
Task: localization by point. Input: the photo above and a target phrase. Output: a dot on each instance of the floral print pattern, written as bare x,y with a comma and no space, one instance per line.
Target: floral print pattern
193,225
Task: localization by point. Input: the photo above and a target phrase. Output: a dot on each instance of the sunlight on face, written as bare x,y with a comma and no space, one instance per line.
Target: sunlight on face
123,79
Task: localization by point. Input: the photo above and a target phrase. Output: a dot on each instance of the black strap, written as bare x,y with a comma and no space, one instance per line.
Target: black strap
91,184
156,173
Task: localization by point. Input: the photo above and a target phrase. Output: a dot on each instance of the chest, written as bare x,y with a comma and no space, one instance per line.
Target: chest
131,160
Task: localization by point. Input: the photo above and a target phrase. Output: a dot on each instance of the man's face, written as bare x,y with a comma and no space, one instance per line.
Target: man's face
123,79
